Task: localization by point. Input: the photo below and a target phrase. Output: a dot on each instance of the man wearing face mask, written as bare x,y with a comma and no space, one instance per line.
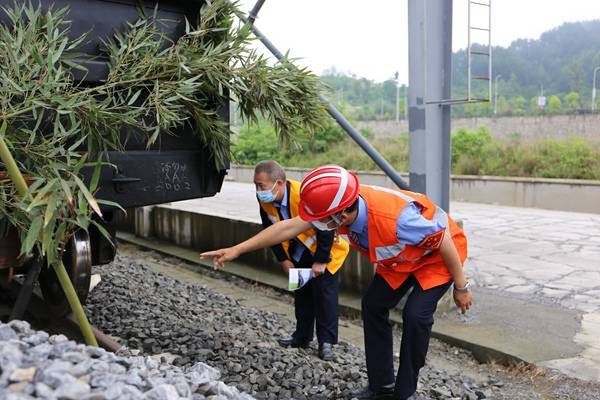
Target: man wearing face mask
414,245
322,251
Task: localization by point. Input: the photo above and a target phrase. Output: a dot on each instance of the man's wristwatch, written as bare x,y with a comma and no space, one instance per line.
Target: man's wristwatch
464,289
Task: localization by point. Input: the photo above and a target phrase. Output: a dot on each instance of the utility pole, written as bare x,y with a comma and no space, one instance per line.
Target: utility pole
496,94
541,98
397,98
594,90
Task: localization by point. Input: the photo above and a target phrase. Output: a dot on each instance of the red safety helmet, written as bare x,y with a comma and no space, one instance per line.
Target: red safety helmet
325,191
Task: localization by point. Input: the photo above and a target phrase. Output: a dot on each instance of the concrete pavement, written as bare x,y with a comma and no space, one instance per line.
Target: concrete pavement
537,273
548,257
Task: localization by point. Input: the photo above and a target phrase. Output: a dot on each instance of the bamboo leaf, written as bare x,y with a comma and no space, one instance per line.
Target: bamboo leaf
39,198
48,236
103,231
32,235
96,176
111,204
59,52
77,143
50,209
66,190
88,196
134,97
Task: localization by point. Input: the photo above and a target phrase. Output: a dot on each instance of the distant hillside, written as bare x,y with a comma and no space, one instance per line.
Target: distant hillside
562,60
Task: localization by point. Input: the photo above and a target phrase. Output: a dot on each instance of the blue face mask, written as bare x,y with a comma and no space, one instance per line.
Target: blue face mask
267,196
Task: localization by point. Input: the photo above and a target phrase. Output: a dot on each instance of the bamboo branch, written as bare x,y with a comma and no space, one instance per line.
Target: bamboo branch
11,166
67,286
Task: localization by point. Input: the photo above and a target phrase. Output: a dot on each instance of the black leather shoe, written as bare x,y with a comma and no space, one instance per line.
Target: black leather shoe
293,342
384,393
326,351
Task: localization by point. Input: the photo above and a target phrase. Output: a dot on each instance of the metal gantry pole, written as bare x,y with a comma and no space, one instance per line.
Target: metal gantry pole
469,61
340,119
430,50
254,12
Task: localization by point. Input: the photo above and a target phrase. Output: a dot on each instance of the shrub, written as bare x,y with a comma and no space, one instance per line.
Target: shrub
255,143
471,151
573,158
474,152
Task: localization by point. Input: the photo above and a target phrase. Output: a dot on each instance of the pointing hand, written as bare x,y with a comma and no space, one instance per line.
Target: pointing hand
220,256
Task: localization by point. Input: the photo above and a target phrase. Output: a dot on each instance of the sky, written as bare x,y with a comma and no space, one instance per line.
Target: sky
372,40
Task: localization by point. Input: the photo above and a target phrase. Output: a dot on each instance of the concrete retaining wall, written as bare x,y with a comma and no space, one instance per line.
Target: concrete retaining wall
200,231
540,127
553,194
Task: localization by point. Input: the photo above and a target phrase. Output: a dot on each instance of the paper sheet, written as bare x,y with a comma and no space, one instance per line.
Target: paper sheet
299,277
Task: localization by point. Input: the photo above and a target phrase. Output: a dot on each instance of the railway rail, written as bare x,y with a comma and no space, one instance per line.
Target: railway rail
40,314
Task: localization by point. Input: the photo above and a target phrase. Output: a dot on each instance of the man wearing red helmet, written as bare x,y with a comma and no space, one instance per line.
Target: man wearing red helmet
414,245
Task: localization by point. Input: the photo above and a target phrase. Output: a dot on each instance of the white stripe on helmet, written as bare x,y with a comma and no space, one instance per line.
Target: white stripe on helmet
308,210
341,190
314,178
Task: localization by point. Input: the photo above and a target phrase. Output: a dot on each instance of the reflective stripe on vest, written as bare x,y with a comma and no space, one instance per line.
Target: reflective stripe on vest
392,250
385,252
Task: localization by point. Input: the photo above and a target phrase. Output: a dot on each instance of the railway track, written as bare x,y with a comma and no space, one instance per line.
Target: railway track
41,316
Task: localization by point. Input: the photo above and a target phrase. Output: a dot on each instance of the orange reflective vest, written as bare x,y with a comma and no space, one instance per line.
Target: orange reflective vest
396,261
340,247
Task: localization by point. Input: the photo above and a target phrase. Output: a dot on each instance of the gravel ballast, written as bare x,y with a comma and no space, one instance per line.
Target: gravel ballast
177,327
34,364
187,324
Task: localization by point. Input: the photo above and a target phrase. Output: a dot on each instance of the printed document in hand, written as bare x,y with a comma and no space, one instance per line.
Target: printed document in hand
299,277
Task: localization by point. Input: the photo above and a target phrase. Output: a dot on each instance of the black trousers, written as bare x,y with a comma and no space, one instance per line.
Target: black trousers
317,302
417,320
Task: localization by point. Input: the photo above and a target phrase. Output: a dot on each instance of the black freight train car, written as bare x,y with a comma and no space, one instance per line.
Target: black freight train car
176,167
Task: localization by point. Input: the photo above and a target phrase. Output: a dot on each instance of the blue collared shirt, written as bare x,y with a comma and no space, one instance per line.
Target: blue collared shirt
285,214
283,206
411,226
358,230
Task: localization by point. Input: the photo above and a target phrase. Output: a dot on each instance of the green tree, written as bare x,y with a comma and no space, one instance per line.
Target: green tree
256,142
554,104
533,105
572,99
484,108
403,106
519,104
503,106
323,138
575,73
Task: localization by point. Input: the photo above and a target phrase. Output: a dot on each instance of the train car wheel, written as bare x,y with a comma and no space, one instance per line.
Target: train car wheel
78,263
